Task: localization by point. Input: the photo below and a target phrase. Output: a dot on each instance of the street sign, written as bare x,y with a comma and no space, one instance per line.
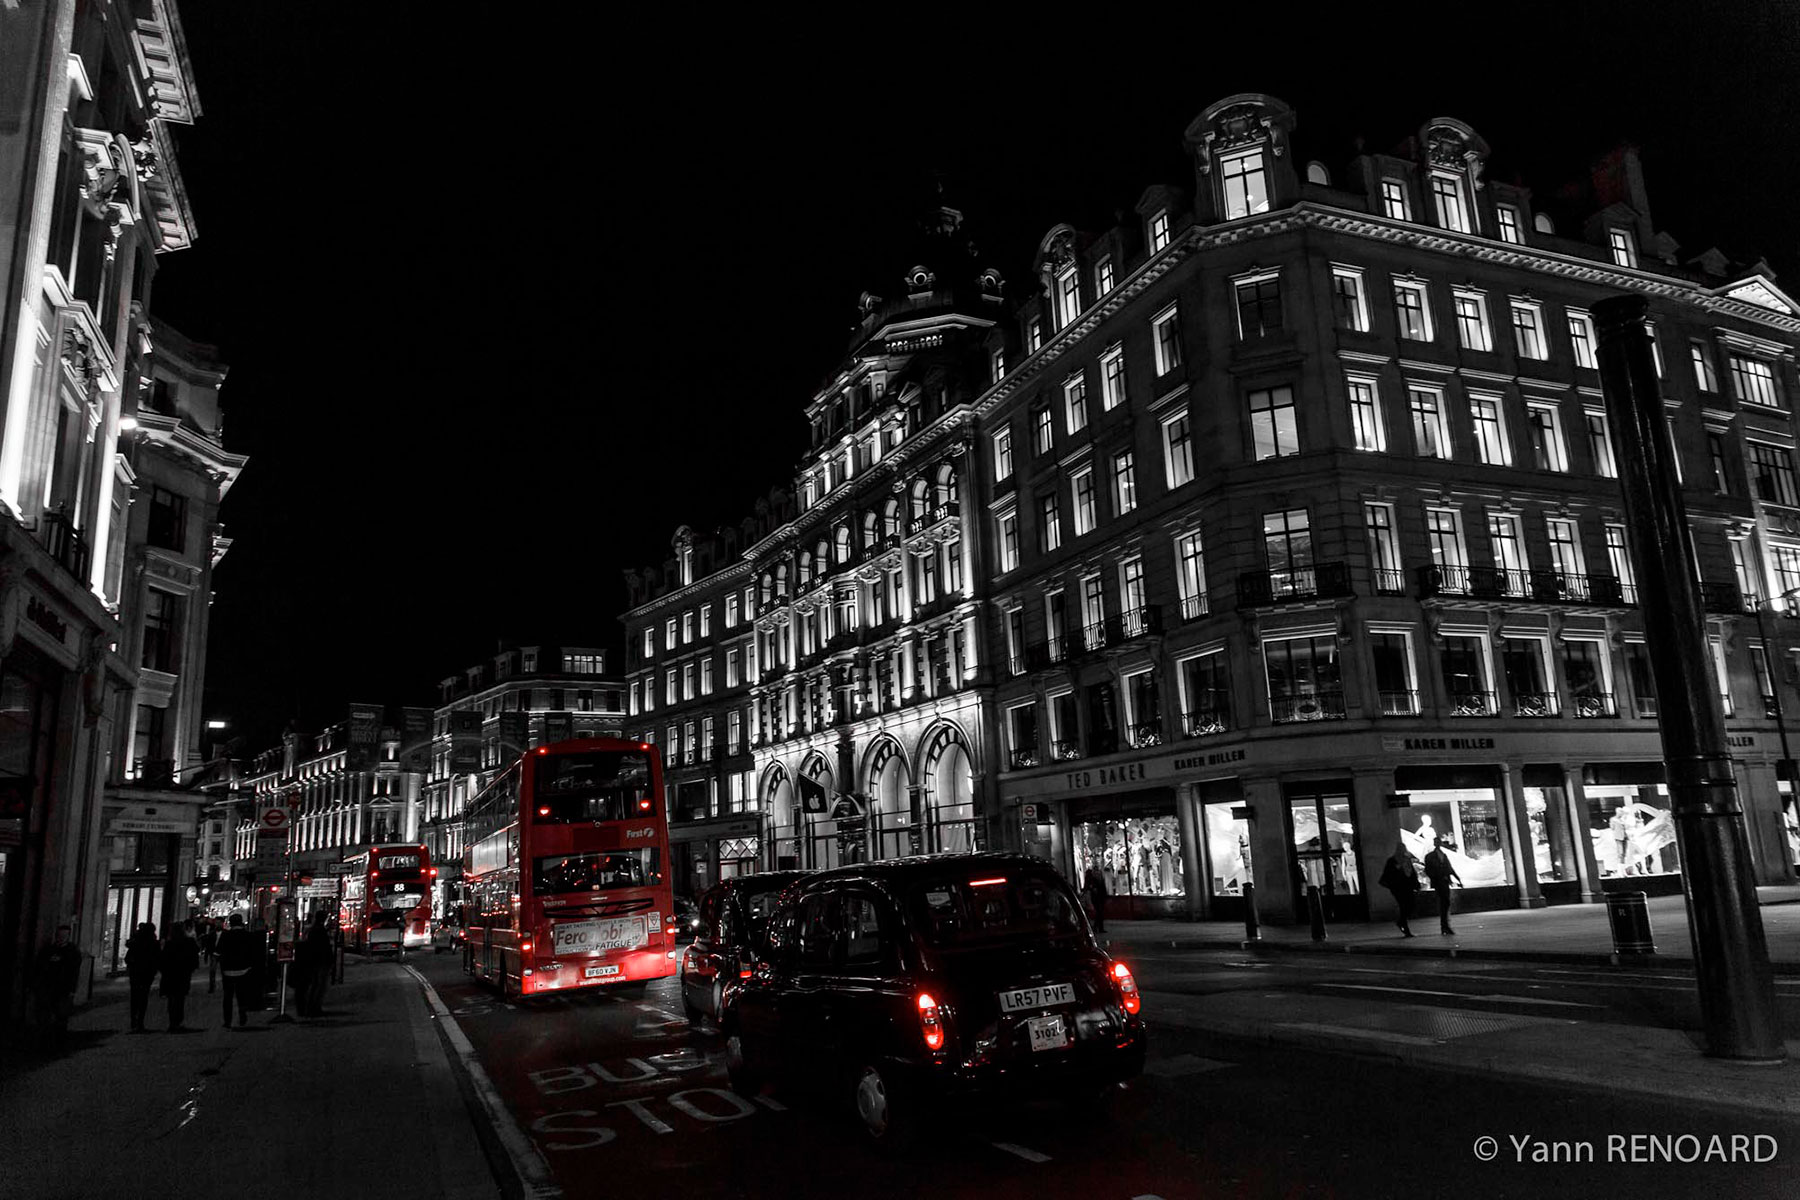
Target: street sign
271,853
272,821
1034,813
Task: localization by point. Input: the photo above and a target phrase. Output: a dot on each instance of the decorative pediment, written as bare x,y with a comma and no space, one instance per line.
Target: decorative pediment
1452,145
1246,119
1762,293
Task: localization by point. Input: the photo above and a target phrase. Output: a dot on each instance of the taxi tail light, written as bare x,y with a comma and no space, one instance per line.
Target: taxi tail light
1128,992
931,1023
744,973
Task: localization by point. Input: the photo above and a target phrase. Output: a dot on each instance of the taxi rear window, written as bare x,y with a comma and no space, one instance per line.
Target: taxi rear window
993,910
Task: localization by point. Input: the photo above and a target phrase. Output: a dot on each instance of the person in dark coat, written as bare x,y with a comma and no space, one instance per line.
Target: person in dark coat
1094,884
56,974
313,958
239,951
143,957
209,951
1440,870
1401,877
180,959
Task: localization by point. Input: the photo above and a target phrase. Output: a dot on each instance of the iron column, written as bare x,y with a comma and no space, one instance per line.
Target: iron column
1731,955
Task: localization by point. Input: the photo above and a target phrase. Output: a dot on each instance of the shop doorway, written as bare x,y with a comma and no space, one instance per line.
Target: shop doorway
1324,849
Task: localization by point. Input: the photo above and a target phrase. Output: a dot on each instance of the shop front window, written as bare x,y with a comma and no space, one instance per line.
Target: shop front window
1633,830
1227,849
1137,856
1552,848
1325,844
1790,820
1467,820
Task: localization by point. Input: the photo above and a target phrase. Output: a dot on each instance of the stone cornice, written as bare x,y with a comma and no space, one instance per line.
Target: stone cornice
734,570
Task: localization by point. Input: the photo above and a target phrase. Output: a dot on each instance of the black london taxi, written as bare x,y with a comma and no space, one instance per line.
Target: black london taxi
906,986
727,937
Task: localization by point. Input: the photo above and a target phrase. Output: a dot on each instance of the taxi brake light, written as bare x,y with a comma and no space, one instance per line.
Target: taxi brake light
987,882
930,1024
1128,992
744,973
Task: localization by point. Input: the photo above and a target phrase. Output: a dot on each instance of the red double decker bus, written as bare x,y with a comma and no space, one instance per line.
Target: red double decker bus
566,861
387,898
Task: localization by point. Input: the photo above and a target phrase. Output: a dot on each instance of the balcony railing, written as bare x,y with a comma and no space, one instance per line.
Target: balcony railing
1493,583
1193,607
1535,704
1594,704
64,542
1390,583
1472,704
1399,703
1317,582
1324,705
1024,758
1147,733
942,512
1723,597
1122,627
1063,751
1205,720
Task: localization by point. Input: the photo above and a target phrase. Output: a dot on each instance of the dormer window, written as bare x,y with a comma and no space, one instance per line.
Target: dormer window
1159,231
997,365
1068,296
687,565
1244,185
1447,197
1103,277
1393,200
1624,246
1034,340
1508,219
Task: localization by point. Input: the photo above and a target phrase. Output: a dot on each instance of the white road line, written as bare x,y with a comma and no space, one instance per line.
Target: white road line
1024,1152
1147,1196
772,1104
1500,997
533,1171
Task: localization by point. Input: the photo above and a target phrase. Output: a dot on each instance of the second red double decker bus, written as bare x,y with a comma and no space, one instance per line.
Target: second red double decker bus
387,898
566,861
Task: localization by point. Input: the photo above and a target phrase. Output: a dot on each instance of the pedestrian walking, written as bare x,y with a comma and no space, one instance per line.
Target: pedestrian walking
143,958
209,950
1401,877
56,974
180,958
313,958
1440,870
1094,884
238,952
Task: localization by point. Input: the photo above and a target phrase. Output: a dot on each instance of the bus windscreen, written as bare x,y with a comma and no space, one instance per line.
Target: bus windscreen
600,785
601,871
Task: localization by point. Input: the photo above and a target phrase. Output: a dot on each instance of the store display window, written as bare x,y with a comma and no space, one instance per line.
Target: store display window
1633,830
1552,848
1468,821
1137,856
1227,849
1790,821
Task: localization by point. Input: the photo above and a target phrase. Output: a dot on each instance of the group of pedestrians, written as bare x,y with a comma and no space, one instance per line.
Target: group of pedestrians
175,958
1401,878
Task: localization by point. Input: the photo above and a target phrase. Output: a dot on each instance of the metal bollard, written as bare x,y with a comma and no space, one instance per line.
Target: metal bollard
1252,928
1315,908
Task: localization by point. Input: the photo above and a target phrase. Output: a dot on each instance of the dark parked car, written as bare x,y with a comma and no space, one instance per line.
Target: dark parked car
729,935
902,985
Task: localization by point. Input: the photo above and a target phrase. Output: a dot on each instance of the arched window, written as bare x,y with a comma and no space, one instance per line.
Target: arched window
781,580
871,530
768,588
822,555
805,576
890,518
946,484
843,543
920,501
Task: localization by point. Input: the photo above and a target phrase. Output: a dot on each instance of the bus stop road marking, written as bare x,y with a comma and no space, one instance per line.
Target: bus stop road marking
1024,1152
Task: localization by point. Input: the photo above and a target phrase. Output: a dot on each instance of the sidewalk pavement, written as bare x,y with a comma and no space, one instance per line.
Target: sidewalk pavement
1577,933
359,1101
1489,1035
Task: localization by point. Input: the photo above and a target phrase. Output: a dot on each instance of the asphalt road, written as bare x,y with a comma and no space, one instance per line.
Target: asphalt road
621,1098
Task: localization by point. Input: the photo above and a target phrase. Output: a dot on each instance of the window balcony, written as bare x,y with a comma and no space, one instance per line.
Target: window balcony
1484,583
1389,583
1472,704
1065,751
1535,704
1207,719
1123,627
1594,704
1145,734
63,542
1327,704
1319,582
1724,598
1021,759
940,513
1193,607
1404,703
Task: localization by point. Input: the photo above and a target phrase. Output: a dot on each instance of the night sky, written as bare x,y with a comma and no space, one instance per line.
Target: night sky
506,301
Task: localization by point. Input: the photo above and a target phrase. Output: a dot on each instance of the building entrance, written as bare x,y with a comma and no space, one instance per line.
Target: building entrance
1324,849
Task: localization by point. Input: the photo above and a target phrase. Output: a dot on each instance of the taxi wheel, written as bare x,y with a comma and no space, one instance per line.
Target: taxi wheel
885,1110
745,1079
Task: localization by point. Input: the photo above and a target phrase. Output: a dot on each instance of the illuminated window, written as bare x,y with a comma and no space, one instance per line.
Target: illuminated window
1081,484
1655,346
1508,218
1600,444
687,682
1581,339
1704,378
1258,306
1007,526
1347,297
706,676
1393,200
1068,296
649,642
1103,277
1003,464
1075,403
1043,438
1112,378
996,365
1528,329
687,627
1159,232
1365,413
669,634
1413,312
1623,245
1034,335
1490,429
706,620
1471,319
1753,380
1273,432
731,611
1246,191
1050,522
1178,455
1447,198
1124,483
1547,452
1166,336
1431,435
734,667
671,694
1772,474
1190,574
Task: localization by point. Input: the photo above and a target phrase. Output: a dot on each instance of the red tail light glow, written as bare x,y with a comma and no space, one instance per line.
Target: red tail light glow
644,805
744,974
987,882
543,810
930,1023
434,872
525,946
1128,993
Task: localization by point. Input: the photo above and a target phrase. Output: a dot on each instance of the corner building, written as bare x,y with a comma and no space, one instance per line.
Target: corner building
1299,518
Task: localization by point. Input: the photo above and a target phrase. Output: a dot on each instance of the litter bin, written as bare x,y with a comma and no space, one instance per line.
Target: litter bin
1629,916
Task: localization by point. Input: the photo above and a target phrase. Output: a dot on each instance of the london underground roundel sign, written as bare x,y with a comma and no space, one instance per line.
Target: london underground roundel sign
274,820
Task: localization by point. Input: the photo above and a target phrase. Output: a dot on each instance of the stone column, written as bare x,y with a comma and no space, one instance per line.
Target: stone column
1515,833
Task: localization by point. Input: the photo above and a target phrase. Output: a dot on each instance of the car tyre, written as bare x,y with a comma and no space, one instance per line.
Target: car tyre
745,1079
688,1007
885,1108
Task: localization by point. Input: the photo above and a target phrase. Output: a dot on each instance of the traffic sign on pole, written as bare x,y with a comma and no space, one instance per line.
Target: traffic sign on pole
272,821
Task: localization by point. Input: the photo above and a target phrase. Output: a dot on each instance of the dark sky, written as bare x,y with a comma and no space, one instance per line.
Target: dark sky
506,302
